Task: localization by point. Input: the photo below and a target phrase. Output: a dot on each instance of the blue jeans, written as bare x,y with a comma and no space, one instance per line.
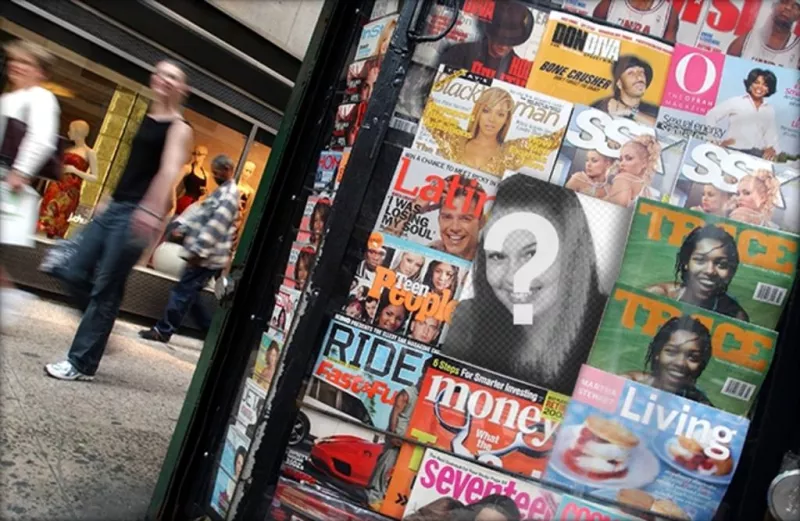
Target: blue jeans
182,300
96,278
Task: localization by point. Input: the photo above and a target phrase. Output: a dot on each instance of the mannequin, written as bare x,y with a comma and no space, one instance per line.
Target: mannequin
245,188
194,182
61,198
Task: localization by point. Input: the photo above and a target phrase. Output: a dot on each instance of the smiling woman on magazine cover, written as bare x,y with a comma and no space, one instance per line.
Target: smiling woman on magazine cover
566,300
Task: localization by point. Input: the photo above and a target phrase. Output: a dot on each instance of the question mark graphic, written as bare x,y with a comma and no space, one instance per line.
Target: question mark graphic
547,246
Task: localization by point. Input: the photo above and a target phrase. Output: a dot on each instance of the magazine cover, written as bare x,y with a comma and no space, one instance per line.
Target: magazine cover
651,17
575,509
324,180
472,412
315,218
437,203
407,289
761,30
495,39
298,268
383,8
734,269
346,124
222,494
361,78
375,37
629,442
341,169
748,189
683,349
234,452
269,352
617,159
298,501
741,104
545,263
250,406
491,125
283,311
613,70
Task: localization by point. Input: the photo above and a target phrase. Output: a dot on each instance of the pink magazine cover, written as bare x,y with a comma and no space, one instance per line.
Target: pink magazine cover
298,268
315,218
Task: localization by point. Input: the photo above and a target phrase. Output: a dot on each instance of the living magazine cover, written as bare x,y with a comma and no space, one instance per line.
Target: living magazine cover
735,269
405,288
474,413
453,487
496,39
269,353
734,102
490,125
683,349
283,311
631,443
739,186
547,259
298,267
375,37
617,159
614,70
437,203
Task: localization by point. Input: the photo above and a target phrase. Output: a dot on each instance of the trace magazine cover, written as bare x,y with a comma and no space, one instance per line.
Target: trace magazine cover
631,443
741,187
617,159
735,269
614,70
683,349
437,203
737,103
407,289
491,125
472,412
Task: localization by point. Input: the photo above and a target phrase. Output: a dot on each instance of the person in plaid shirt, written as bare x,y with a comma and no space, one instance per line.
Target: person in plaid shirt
208,229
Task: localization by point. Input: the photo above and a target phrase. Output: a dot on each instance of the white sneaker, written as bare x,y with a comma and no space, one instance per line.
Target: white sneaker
66,371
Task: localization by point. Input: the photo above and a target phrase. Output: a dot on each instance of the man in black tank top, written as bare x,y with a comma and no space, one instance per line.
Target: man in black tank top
114,241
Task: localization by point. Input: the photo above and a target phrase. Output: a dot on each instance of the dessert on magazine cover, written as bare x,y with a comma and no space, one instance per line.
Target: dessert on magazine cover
621,440
737,103
298,268
407,289
546,261
366,376
496,39
734,269
682,349
491,125
613,70
375,37
477,414
299,501
455,487
617,159
283,312
437,203
745,188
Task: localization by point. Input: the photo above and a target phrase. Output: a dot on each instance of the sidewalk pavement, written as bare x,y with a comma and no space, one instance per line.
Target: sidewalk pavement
88,451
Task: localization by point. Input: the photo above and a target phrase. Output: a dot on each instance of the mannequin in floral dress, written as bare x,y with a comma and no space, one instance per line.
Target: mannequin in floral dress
62,197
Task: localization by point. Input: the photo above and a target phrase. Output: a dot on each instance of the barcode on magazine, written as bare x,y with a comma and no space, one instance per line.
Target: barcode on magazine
738,389
403,126
769,294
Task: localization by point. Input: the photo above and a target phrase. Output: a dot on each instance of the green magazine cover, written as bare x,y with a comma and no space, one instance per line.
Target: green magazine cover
729,267
683,349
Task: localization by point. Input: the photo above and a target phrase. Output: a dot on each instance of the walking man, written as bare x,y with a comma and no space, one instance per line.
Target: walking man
208,235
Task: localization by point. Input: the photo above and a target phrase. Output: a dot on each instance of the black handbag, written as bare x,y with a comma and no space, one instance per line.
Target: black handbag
15,132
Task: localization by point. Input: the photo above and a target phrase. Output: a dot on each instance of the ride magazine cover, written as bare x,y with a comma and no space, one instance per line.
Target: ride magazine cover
734,102
617,159
495,39
474,413
739,186
490,125
731,268
437,203
613,70
683,349
627,442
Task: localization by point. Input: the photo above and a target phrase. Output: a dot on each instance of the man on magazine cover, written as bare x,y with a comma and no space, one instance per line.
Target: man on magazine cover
511,25
773,42
373,258
656,17
632,76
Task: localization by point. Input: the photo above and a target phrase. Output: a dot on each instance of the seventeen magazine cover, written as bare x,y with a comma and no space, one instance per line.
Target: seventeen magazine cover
477,414
761,30
297,501
473,488
627,442
671,250
546,261
437,203
491,125
375,37
366,376
617,159
298,268
739,186
283,312
614,70
329,161
496,39
737,103
682,349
